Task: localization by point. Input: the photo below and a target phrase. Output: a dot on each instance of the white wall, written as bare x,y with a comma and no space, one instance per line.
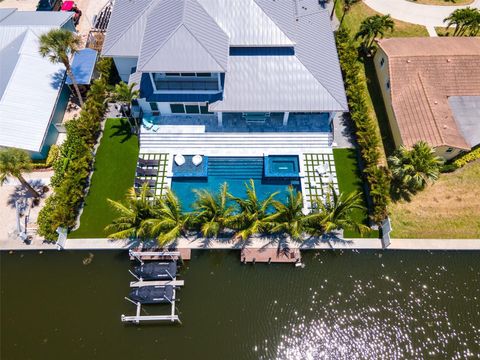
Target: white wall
124,66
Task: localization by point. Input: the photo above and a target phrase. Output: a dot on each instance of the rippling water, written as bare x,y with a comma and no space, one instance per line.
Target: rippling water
344,305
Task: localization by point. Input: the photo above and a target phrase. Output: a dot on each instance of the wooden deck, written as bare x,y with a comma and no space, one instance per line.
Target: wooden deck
270,255
175,283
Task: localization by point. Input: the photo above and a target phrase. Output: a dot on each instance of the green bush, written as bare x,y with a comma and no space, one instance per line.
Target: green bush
464,159
74,161
377,176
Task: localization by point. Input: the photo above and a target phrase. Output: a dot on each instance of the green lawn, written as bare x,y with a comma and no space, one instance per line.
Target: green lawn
114,172
349,179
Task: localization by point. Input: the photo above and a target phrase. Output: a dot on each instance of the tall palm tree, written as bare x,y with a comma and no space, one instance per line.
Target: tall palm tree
288,217
251,218
167,222
14,162
466,19
125,94
414,168
212,210
347,5
132,213
373,27
336,213
58,45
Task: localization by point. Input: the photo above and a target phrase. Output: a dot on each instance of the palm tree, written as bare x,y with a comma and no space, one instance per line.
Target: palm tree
372,27
212,211
13,162
125,94
347,5
466,19
58,45
167,222
413,169
251,219
288,218
133,211
337,212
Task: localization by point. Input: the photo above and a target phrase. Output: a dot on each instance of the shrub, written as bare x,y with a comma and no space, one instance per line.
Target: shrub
74,161
377,177
464,159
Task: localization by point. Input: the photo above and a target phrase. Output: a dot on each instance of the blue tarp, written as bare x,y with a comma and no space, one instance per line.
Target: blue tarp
82,66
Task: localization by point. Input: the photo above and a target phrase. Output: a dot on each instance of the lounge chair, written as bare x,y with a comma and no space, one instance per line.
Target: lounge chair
139,182
197,160
147,171
155,128
179,159
144,162
147,125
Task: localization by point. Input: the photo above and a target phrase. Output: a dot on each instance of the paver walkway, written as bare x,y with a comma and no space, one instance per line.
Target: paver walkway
427,15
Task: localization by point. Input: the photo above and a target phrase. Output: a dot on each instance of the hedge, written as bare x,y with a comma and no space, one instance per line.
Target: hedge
75,160
464,159
377,176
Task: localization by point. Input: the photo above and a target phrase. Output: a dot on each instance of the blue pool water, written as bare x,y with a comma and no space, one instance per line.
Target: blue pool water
236,171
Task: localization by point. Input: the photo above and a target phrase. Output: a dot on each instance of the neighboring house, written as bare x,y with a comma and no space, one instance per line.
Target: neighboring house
248,60
431,89
32,96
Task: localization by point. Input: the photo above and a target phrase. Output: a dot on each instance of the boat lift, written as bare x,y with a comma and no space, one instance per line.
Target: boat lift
138,318
153,255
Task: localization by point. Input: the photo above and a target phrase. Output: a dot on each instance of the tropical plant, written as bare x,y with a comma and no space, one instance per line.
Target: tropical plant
288,217
347,5
58,45
212,211
125,94
466,21
167,222
253,212
133,211
14,162
373,27
413,169
336,212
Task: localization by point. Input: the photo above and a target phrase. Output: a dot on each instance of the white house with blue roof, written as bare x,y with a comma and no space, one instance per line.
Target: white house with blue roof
32,96
253,61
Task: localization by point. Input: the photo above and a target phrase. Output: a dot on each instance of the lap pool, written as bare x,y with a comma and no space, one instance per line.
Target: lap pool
236,171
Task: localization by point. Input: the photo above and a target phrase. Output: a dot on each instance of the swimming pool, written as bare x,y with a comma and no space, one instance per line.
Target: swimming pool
236,171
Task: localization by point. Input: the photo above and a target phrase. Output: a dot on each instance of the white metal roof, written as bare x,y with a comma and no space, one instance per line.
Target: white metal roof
272,84
246,23
181,36
29,86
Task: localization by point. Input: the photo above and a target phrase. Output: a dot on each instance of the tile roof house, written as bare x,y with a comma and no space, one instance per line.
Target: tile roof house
250,57
431,89
32,98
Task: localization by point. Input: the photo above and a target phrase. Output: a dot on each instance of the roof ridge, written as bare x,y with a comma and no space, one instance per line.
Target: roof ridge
130,26
273,20
203,46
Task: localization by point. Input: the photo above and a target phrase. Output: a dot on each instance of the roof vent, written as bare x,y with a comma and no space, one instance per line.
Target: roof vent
449,60
444,126
409,61
435,102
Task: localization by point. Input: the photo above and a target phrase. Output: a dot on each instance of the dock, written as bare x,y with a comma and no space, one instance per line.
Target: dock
174,283
158,254
270,255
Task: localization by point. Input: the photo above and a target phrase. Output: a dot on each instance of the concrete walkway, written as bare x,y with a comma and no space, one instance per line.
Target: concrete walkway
428,15
207,244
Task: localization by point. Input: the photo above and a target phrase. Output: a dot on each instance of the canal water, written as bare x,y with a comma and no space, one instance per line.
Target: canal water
342,305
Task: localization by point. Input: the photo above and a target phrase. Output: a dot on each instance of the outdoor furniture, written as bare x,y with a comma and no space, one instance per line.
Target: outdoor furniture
150,182
197,160
146,171
322,168
147,125
179,159
144,162
155,128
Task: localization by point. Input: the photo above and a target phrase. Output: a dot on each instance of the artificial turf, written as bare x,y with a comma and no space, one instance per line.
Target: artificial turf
114,172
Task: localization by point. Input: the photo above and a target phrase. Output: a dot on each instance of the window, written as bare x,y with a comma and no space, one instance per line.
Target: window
154,106
177,108
388,84
382,61
192,109
188,74
204,74
449,150
204,109
172,74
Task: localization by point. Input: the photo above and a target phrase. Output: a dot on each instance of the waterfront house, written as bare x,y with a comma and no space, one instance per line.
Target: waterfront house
431,90
32,96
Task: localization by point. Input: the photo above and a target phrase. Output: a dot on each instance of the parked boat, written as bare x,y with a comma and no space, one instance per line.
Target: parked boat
157,270
152,294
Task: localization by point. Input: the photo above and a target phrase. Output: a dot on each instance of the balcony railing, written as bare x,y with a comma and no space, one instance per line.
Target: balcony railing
186,84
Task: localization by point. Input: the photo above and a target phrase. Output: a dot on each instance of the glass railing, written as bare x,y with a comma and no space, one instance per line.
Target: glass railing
187,84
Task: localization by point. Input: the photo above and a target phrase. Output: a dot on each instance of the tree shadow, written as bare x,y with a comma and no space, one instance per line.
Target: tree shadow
348,130
331,239
123,129
23,197
57,79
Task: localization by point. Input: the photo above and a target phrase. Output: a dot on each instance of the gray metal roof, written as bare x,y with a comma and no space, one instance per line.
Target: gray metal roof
26,75
466,112
272,84
181,36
